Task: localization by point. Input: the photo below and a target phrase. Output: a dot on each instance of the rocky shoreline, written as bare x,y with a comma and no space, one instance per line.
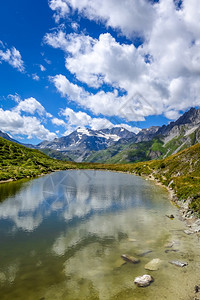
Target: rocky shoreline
186,214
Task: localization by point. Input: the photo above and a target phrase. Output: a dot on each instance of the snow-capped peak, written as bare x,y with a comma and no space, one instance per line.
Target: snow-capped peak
84,131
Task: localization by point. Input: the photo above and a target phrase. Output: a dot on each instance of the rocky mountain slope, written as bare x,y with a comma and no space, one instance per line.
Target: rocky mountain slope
7,137
155,142
79,144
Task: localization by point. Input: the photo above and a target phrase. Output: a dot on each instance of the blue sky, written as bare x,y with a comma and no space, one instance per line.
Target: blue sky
96,64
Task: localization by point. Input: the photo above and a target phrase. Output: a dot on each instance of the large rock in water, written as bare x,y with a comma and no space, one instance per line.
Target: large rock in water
153,265
143,281
178,263
130,259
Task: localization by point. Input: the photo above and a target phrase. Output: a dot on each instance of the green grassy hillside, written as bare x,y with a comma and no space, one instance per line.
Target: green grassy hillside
18,161
146,150
180,172
132,152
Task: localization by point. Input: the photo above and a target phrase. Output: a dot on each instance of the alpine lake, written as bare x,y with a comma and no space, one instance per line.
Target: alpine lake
62,236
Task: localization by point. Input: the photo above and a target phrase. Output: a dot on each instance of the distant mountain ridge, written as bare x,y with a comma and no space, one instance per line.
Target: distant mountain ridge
118,145
7,137
79,144
95,139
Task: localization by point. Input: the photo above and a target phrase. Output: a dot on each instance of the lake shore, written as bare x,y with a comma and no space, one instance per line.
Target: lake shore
186,214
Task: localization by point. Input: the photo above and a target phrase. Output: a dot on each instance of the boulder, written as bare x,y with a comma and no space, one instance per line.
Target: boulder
153,265
143,281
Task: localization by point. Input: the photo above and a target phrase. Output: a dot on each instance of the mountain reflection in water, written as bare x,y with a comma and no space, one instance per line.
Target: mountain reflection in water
62,237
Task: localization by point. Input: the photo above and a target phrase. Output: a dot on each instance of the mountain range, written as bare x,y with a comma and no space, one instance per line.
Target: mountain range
118,145
154,142
79,144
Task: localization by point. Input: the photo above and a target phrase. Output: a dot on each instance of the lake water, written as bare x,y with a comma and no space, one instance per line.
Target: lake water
62,237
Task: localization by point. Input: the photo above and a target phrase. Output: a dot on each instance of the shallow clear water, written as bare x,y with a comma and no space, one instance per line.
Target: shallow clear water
62,237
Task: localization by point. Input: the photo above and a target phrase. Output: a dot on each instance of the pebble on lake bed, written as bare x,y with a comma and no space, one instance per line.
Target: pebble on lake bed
171,250
132,240
145,253
170,216
178,263
143,281
169,244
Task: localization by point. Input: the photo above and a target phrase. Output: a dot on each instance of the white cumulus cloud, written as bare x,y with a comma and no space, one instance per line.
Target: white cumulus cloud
35,77
28,125
161,76
82,119
128,16
16,124
58,122
13,57
60,7
31,106
130,108
42,68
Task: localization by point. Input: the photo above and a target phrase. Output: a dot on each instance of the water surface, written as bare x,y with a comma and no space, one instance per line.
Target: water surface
62,237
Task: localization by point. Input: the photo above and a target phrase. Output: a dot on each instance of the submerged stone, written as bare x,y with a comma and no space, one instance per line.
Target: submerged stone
145,253
130,259
2,277
153,265
188,232
132,240
118,263
170,244
171,250
143,281
170,216
178,263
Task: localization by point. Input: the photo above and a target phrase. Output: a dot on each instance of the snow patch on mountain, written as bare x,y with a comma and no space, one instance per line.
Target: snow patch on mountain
99,133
